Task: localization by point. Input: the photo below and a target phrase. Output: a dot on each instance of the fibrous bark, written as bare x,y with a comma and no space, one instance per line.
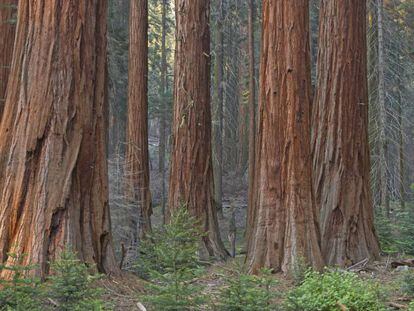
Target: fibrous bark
285,229
54,185
7,34
137,158
191,178
341,158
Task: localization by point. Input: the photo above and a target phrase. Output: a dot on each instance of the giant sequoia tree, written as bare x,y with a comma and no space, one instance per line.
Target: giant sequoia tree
7,32
191,178
54,190
137,159
285,228
340,141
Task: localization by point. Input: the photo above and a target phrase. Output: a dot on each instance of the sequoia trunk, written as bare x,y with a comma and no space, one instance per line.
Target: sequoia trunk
54,185
191,178
285,229
137,159
341,158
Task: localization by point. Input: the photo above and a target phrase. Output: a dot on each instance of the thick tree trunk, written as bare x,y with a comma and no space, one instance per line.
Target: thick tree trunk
191,178
341,158
7,33
218,112
285,227
54,185
163,122
137,158
252,118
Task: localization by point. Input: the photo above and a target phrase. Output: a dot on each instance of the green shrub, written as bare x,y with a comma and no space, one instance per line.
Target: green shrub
299,270
169,259
395,233
407,282
21,292
334,289
70,285
244,292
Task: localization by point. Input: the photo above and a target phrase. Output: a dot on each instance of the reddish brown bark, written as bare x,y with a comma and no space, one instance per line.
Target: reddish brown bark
54,191
191,178
341,159
137,158
285,227
7,33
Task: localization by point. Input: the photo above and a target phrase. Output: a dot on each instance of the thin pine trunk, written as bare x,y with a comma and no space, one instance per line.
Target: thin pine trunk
164,103
137,158
218,113
252,117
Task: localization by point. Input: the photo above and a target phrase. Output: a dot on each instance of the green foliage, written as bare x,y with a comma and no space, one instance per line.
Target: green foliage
299,270
70,285
395,233
244,292
407,282
169,259
21,292
334,289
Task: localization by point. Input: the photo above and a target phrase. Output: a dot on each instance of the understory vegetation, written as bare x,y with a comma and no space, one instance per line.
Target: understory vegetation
176,279
69,288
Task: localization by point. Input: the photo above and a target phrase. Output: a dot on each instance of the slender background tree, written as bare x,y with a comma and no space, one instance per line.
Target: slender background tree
137,157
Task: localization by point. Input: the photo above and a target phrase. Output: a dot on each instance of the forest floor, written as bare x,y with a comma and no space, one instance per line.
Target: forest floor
125,293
